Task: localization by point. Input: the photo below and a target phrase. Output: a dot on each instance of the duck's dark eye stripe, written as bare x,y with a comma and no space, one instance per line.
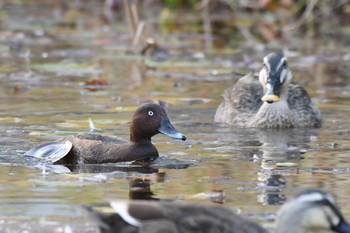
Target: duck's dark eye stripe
336,211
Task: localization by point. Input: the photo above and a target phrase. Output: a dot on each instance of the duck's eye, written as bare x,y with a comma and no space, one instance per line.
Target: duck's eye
150,113
284,64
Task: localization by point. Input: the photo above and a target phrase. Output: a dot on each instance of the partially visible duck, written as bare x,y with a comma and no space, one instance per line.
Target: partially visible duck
311,210
270,101
88,148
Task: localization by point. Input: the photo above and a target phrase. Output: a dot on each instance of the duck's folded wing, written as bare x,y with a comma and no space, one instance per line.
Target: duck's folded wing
241,101
300,103
102,138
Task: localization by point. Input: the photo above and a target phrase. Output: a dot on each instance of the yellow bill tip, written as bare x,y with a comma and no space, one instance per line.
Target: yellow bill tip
270,98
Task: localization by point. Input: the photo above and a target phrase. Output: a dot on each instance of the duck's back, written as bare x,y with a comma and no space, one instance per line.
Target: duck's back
207,219
177,218
241,102
89,148
102,138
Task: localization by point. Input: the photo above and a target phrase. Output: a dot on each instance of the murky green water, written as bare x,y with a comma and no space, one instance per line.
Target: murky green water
251,171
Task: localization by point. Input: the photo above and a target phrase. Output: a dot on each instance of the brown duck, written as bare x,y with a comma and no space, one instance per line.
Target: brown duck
88,148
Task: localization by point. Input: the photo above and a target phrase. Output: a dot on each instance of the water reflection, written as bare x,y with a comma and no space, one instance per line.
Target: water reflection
140,187
278,145
109,168
276,149
271,187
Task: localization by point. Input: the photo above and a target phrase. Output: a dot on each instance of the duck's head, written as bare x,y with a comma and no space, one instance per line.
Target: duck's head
311,210
274,77
150,119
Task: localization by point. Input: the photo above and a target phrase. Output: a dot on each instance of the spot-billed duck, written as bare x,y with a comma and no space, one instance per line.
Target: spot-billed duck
271,101
310,210
88,148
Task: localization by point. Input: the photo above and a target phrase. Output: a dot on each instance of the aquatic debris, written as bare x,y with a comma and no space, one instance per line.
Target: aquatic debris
96,84
91,125
286,164
75,69
216,196
19,89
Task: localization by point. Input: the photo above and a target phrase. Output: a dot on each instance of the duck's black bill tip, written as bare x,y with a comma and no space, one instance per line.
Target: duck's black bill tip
168,129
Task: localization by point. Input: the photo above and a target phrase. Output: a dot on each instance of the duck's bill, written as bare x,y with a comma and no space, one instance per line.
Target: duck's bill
273,89
343,227
270,98
168,129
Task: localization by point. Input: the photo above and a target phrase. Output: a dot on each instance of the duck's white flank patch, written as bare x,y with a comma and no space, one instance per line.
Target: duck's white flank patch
121,207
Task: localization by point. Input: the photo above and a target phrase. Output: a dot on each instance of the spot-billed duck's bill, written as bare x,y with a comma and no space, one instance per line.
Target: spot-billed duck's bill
275,70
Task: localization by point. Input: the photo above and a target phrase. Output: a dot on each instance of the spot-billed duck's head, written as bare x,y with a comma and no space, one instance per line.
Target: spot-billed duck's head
150,119
309,211
274,77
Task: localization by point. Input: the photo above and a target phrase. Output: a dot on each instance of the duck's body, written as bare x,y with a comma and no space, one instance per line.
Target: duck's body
155,217
270,101
88,148
310,210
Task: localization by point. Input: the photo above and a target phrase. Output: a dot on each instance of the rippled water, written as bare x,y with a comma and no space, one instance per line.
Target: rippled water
248,170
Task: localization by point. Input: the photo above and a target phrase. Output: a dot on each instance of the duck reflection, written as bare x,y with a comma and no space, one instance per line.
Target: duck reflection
140,187
271,187
144,168
276,150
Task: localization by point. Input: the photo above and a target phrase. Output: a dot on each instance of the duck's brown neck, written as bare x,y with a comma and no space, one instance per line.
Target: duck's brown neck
138,136
135,139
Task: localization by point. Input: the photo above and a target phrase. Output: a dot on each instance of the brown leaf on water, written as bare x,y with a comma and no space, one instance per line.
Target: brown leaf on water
19,89
96,84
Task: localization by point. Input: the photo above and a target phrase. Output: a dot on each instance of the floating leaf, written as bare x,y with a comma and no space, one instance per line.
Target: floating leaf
177,64
286,164
96,84
67,68
125,109
19,89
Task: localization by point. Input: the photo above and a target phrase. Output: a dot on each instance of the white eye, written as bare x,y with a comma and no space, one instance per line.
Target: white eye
150,113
